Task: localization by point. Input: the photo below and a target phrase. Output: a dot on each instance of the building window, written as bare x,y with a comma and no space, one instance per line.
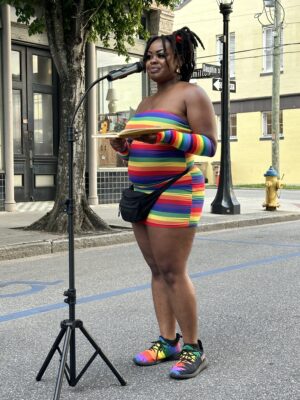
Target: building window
231,52
17,122
268,43
116,102
127,92
145,22
233,126
16,65
267,124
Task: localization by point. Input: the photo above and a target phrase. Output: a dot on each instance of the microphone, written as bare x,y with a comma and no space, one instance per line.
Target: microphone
125,71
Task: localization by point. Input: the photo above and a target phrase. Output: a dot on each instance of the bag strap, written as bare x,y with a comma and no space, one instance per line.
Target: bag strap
171,181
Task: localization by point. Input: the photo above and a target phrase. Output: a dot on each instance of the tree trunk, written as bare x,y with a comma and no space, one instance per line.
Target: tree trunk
68,55
85,219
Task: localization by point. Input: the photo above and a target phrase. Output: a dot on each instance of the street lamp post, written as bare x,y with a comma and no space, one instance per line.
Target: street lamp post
225,201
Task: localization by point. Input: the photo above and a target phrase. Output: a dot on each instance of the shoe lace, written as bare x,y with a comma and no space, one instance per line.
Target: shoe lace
187,356
157,347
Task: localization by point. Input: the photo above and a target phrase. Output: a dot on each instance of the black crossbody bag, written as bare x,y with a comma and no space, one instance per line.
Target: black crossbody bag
135,206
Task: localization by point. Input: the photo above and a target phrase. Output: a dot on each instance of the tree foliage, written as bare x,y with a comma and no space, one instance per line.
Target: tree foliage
69,25
101,19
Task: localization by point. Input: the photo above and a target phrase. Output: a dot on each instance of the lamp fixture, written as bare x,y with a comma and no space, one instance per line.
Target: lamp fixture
112,97
269,3
225,2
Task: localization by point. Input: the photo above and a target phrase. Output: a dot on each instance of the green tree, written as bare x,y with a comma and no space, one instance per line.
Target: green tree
69,26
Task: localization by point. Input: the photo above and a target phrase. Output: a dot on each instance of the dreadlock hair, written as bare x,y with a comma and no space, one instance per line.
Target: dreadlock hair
183,43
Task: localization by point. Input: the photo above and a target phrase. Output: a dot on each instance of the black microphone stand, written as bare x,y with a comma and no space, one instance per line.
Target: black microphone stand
69,326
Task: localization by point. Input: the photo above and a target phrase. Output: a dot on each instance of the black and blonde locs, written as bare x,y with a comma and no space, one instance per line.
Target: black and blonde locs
183,43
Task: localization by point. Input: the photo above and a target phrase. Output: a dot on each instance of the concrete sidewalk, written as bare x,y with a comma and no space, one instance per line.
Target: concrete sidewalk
17,243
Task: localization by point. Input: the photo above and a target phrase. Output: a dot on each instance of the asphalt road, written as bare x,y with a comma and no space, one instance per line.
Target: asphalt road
247,283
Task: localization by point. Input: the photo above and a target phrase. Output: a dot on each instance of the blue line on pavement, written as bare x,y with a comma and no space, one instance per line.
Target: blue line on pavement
83,300
35,286
273,244
120,292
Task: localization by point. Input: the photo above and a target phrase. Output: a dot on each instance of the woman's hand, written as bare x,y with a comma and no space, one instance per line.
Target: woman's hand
151,138
118,144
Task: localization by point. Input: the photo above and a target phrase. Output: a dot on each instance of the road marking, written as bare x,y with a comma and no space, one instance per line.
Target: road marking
102,296
35,287
248,242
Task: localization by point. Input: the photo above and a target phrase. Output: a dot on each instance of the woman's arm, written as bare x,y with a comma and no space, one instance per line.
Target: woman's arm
200,113
201,118
192,143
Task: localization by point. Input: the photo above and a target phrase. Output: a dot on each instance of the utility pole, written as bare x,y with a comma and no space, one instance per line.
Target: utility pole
276,86
274,13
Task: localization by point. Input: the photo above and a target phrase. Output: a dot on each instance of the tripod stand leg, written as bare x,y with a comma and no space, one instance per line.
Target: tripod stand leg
51,353
62,365
102,355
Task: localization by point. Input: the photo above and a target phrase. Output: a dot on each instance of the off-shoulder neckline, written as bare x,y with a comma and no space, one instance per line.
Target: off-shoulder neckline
162,110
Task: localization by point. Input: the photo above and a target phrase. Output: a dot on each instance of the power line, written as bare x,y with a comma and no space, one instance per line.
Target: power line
247,50
261,55
233,16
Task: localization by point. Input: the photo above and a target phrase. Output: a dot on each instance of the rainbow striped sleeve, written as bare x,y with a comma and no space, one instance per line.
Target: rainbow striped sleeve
191,143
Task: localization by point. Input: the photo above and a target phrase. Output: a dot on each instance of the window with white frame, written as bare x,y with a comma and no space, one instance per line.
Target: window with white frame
231,52
233,126
267,124
268,44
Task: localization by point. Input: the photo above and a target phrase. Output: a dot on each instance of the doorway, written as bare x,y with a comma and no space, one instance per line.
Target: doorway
35,124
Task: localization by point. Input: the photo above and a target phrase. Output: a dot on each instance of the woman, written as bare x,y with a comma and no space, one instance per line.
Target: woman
165,238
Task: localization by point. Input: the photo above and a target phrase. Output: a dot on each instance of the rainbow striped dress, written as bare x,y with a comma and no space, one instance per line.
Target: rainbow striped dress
152,165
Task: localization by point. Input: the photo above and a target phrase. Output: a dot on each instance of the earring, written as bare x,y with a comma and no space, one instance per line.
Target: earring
177,70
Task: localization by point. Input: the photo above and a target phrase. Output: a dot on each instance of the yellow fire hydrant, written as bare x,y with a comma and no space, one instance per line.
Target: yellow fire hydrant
272,184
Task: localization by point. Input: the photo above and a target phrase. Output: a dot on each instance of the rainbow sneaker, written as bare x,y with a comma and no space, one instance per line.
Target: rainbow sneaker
192,360
160,351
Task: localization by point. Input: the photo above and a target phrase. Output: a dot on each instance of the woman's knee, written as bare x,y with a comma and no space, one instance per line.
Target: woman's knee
170,273
152,265
160,271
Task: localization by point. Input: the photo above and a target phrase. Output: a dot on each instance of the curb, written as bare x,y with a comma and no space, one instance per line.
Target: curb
52,246
249,221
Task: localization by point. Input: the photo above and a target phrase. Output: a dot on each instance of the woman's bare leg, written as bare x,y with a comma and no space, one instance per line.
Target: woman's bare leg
166,251
170,250
163,310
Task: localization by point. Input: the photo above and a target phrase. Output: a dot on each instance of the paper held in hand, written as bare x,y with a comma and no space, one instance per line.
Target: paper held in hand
140,131
131,133
108,135
127,133
146,131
